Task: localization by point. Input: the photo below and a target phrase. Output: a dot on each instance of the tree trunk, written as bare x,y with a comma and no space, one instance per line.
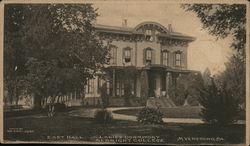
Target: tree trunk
37,102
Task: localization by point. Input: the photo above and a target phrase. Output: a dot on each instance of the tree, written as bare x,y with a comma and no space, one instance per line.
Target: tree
233,78
188,88
61,48
104,95
206,77
14,58
224,20
218,105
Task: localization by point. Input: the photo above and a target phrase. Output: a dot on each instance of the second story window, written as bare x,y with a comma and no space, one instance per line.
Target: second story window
165,58
148,56
113,55
127,55
178,59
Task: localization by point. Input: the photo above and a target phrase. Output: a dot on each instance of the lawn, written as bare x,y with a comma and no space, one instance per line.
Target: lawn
64,127
174,112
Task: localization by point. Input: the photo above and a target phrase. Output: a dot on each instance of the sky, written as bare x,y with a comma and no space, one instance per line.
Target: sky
204,52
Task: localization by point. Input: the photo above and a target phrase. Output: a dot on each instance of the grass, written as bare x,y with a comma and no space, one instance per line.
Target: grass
174,112
86,129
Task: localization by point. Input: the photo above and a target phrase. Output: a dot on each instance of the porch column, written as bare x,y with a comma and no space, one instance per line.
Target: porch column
113,83
168,82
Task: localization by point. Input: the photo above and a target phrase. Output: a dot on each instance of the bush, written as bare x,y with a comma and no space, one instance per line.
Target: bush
219,106
150,116
104,95
103,116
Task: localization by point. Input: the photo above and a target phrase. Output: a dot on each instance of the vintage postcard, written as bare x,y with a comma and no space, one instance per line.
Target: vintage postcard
125,72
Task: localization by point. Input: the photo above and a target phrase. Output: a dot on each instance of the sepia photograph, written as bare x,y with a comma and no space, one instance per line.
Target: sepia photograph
117,72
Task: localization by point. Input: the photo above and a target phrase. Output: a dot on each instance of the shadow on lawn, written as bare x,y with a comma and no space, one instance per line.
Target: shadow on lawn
86,129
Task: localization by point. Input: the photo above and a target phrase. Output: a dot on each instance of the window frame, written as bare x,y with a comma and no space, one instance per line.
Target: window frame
113,55
89,87
127,55
147,58
179,59
165,57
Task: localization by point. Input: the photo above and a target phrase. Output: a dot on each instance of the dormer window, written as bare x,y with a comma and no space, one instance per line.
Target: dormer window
127,55
148,32
150,35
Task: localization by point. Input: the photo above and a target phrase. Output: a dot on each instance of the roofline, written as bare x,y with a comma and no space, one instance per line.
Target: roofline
131,31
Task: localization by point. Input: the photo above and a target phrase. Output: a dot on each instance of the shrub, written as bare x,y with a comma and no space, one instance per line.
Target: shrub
127,93
103,116
104,95
150,116
219,106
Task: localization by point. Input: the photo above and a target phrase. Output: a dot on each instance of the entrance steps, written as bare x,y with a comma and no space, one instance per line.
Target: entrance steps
162,102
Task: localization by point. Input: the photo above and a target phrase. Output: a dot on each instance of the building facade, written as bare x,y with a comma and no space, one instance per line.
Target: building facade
158,54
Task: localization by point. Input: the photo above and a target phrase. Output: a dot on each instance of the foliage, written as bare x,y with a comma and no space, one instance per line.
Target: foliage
59,46
59,107
104,95
187,87
206,77
150,116
227,20
219,105
103,116
233,78
144,87
222,20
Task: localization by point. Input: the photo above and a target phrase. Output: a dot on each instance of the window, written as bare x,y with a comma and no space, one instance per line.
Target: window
108,87
89,88
178,59
165,58
150,35
113,54
99,84
127,55
148,56
148,32
120,87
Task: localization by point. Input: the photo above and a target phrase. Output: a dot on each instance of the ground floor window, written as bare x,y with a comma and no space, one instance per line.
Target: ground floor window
89,88
120,87
108,87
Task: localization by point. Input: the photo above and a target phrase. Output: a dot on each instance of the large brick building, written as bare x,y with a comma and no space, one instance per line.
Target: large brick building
151,49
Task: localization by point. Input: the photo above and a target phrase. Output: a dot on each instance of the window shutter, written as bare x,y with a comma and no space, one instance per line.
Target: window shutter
153,56
123,55
144,56
174,55
115,55
132,56
161,57
182,60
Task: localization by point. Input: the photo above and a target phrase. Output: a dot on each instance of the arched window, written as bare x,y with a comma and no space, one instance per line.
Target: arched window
165,57
127,55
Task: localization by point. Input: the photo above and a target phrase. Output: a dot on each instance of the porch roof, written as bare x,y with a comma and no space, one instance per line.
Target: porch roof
156,67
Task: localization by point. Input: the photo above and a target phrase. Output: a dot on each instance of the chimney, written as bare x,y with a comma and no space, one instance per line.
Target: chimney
170,28
124,23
